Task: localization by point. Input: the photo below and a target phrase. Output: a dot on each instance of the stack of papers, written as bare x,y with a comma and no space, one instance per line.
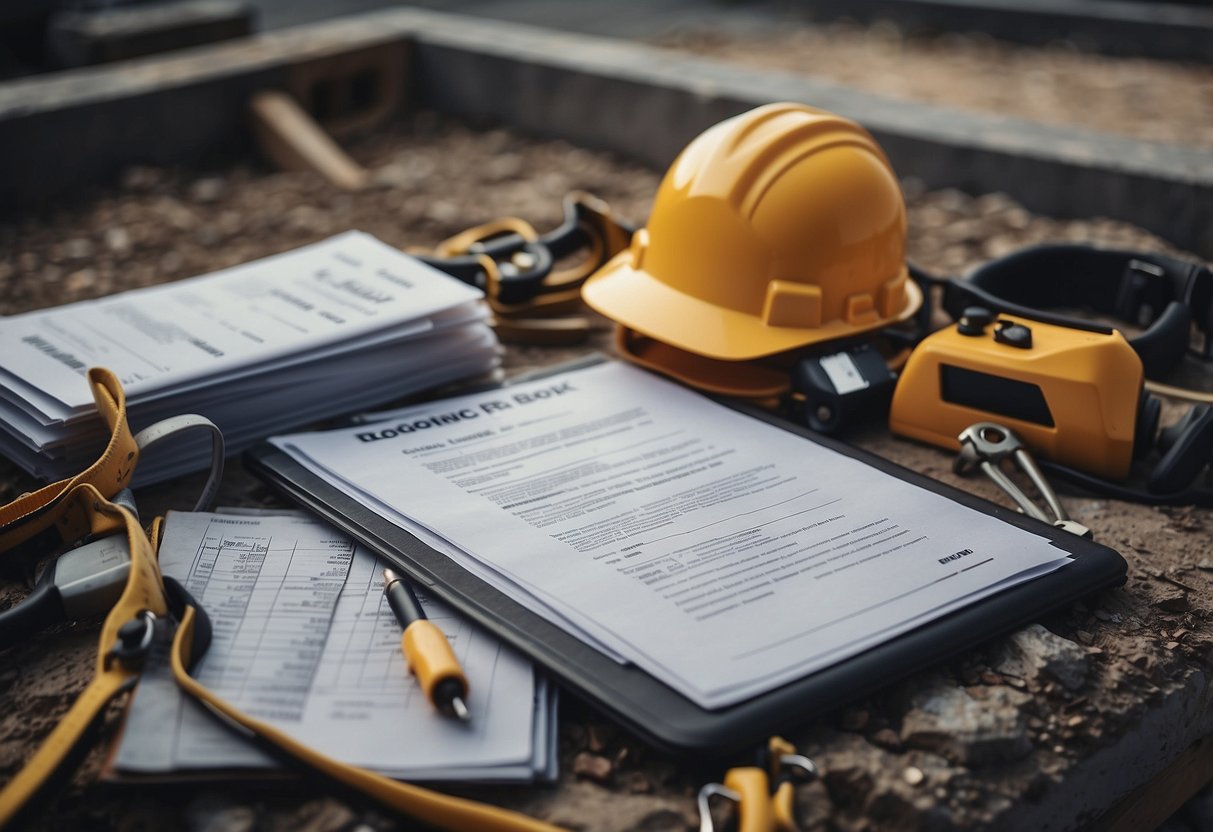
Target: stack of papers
338,326
721,554
304,639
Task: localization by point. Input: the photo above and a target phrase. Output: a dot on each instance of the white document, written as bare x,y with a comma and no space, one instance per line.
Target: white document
723,555
304,639
331,328
339,289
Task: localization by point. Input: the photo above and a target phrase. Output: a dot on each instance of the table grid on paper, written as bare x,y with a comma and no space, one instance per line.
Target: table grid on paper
271,604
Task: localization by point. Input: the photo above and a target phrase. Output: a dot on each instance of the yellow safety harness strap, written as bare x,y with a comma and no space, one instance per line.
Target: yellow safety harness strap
78,507
143,593
440,810
50,507
56,747
532,300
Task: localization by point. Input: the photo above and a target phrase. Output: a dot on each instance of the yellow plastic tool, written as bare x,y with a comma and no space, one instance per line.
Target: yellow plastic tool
763,794
1071,395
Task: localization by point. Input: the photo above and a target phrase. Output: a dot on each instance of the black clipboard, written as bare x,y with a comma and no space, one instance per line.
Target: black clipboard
656,712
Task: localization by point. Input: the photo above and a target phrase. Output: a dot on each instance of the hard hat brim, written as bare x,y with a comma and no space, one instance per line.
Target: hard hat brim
639,301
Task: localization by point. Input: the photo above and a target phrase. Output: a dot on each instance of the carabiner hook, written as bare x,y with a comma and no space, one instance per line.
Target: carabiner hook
985,444
764,794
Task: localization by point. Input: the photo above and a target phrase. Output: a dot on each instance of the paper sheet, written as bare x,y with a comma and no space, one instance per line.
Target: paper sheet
339,289
723,555
305,640
334,327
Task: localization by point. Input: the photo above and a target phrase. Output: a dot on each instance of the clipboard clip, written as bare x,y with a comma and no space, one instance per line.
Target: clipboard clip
985,445
764,794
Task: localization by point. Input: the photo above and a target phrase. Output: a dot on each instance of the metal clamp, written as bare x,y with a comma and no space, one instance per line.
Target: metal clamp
763,795
985,444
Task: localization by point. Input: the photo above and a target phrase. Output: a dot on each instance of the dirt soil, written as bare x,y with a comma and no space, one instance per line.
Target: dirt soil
884,764
1143,98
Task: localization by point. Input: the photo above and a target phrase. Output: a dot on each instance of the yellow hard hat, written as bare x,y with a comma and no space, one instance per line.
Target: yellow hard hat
776,229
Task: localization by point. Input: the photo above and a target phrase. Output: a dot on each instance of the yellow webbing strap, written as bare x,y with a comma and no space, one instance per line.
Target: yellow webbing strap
440,810
49,506
112,676
783,807
80,506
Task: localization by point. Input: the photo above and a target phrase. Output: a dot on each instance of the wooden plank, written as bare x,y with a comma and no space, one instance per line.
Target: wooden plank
294,141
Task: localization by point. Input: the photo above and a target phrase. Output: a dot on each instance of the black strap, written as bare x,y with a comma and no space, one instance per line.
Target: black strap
178,599
519,285
1194,494
1164,294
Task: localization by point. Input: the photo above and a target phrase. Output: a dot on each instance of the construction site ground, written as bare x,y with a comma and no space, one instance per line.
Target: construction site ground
1044,728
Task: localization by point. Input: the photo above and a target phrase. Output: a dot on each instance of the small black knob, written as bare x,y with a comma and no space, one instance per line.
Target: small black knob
132,633
974,320
134,638
1013,335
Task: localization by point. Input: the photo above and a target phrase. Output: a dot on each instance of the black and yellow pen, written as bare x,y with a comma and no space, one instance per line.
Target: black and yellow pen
428,653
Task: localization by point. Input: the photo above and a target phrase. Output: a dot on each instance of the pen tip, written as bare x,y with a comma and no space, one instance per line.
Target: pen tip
459,708
389,577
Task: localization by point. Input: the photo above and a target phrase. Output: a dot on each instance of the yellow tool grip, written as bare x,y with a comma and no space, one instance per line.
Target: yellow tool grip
754,812
783,804
430,657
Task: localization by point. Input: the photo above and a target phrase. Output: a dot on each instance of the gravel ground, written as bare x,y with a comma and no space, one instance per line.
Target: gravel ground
436,179
888,762
1146,99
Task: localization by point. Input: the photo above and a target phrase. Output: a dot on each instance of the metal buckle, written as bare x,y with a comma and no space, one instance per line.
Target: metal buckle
524,260
532,301
703,801
134,639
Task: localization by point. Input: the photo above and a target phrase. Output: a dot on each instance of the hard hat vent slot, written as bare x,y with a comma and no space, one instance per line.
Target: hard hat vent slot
792,304
891,297
861,309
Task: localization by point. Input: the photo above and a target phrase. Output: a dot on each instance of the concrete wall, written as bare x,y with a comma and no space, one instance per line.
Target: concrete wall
59,132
